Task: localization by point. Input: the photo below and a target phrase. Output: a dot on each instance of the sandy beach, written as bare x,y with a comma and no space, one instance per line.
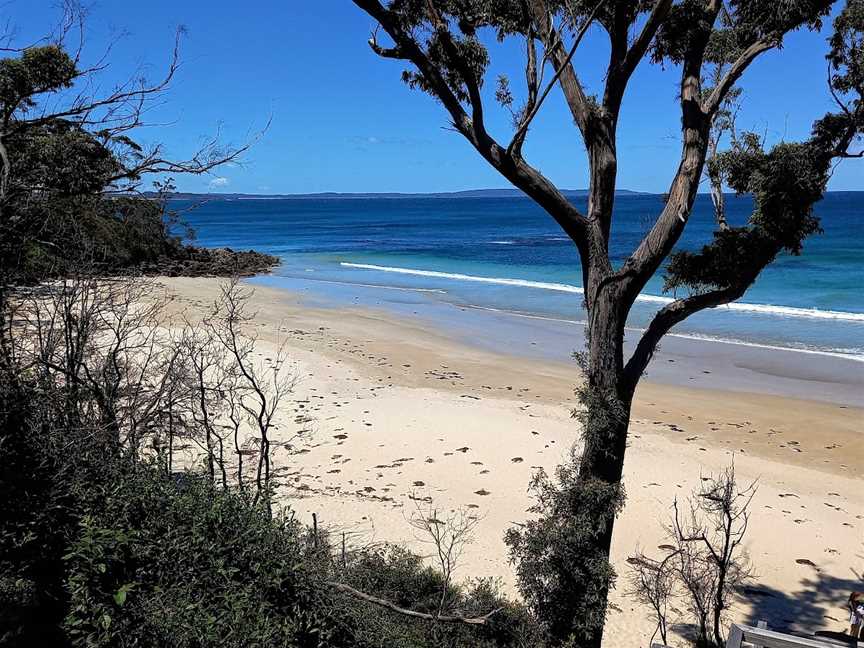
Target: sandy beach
398,411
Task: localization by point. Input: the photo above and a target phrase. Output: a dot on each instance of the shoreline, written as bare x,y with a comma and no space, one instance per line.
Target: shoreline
682,360
405,410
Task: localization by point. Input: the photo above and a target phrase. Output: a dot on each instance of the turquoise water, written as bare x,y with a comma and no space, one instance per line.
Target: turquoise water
506,254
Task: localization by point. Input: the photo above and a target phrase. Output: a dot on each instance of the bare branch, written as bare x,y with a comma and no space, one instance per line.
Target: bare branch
577,100
519,136
363,596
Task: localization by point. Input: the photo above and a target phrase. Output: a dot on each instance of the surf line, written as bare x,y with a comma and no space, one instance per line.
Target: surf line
763,309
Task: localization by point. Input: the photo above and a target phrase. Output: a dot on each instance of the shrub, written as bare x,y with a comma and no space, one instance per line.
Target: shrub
193,565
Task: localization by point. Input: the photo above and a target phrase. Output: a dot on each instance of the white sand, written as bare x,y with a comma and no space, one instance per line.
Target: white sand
401,412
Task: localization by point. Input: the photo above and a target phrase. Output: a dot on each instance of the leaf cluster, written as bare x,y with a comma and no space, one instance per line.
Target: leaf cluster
785,183
38,70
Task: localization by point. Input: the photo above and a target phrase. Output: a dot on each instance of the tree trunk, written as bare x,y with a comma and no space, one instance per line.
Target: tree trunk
598,496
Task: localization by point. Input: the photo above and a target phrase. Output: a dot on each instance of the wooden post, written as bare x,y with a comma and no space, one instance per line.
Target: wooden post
344,553
315,529
762,625
736,636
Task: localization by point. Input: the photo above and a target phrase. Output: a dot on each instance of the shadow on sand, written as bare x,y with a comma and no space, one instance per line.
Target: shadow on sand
819,603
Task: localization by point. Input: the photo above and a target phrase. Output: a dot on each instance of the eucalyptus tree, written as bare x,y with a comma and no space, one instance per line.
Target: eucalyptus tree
562,554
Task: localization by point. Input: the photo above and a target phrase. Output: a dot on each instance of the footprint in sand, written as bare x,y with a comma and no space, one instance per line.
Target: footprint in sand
517,460
482,492
419,483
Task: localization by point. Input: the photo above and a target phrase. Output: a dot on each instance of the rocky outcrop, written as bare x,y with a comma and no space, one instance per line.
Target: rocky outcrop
190,261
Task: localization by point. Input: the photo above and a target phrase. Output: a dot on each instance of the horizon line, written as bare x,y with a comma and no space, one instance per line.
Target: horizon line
465,193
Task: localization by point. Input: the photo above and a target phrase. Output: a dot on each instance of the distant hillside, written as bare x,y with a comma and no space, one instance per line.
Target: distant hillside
470,193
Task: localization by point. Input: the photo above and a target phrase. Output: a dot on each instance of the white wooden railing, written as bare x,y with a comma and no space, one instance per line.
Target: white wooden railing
740,634
762,637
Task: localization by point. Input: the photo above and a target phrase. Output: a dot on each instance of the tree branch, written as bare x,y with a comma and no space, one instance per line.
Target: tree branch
669,316
714,101
443,618
643,41
515,169
519,136
695,127
576,98
82,107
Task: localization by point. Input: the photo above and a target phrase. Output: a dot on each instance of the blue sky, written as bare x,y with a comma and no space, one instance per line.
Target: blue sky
343,121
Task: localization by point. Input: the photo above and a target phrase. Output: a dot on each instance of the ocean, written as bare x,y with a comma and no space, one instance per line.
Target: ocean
505,255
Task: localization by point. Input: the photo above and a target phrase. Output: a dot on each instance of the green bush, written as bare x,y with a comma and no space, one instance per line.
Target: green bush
190,565
400,576
35,515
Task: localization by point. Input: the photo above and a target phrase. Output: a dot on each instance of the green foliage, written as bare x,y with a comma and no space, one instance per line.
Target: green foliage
56,215
60,208
847,50
688,24
785,183
450,37
193,566
562,575
113,233
768,19
31,531
744,23
402,577
60,158
95,550
789,179
38,70
728,262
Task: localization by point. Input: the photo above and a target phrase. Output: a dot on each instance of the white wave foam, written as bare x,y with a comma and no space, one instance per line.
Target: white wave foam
763,309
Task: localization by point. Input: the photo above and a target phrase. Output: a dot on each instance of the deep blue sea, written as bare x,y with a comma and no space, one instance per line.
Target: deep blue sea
507,254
